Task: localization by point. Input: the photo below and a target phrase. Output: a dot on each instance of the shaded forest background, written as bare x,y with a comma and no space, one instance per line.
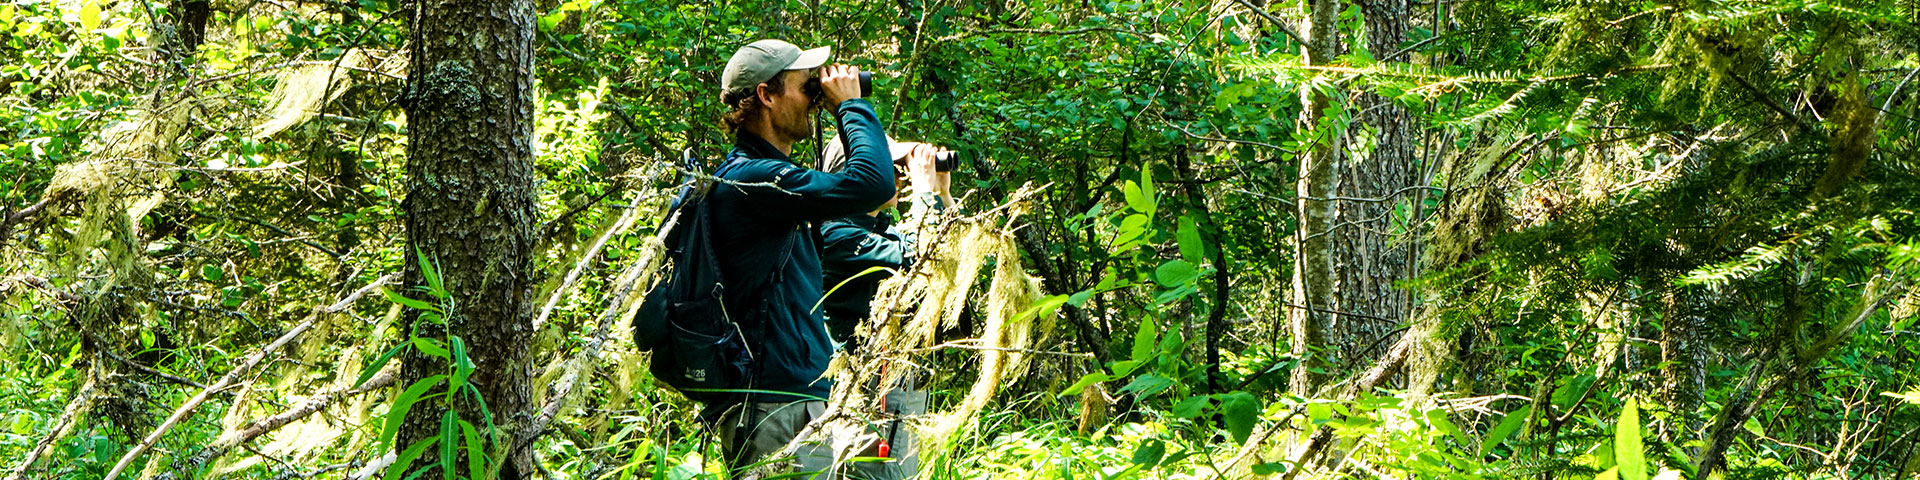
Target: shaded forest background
1319,239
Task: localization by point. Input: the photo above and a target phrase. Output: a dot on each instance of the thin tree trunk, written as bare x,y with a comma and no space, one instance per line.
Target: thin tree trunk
470,208
1313,268
1683,364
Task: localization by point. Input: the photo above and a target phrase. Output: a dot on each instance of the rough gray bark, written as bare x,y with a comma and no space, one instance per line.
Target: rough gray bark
470,205
1683,364
1349,256
1368,257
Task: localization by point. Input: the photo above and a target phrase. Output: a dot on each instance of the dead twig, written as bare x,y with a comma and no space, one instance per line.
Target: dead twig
586,258
82,401
233,377
617,308
226,443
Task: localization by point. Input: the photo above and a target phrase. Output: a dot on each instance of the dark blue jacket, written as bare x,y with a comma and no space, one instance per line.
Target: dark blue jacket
851,245
751,224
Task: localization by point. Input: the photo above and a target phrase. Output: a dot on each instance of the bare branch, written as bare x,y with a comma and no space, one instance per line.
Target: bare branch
1277,23
82,401
586,258
226,443
233,377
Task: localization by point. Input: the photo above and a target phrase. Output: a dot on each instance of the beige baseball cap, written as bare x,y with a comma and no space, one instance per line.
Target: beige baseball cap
835,157
760,61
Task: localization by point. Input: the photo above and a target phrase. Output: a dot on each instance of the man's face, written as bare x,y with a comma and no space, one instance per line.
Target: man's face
789,108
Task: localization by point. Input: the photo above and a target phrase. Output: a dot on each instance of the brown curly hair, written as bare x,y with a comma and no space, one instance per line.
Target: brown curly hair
744,105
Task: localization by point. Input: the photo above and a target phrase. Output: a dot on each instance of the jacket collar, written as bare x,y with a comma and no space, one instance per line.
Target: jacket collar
871,222
752,146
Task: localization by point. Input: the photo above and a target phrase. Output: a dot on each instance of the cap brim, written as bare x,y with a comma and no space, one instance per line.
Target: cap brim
898,149
811,59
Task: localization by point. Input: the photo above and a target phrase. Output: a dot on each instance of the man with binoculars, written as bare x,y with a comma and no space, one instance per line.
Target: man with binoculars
763,214
853,245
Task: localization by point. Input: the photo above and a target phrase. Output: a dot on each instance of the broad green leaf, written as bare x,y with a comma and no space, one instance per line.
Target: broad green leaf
476,451
1080,298
1090,379
1144,340
396,297
1175,273
406,458
1150,452
1147,192
431,347
401,404
1191,248
1626,443
1439,419
1319,412
448,444
1131,191
1512,423
1044,307
1192,406
1133,225
1147,385
22,425
1242,412
90,15
211,273
378,363
1610,474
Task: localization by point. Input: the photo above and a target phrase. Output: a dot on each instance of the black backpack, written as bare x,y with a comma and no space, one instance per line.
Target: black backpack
699,348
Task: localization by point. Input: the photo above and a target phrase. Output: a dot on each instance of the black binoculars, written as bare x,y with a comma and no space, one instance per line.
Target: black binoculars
946,161
812,88
943,162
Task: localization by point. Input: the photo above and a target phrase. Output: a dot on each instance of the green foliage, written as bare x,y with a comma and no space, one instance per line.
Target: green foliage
1616,200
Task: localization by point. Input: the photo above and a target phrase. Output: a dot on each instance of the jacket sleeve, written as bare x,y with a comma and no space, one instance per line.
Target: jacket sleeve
865,184
858,249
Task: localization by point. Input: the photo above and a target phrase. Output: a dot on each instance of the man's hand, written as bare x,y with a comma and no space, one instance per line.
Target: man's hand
920,168
839,83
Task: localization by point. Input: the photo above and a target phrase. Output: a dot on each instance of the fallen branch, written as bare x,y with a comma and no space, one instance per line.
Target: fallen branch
1389,363
586,259
136,365
82,401
233,377
226,443
9,219
616,309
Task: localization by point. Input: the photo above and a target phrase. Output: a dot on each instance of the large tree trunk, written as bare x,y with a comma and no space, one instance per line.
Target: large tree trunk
1369,256
1343,295
470,205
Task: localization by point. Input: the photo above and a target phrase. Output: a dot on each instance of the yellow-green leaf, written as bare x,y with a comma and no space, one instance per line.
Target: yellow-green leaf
90,15
1627,451
1912,397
